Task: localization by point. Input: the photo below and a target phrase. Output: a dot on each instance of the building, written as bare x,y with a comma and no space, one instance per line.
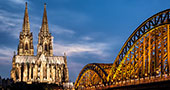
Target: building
5,84
43,67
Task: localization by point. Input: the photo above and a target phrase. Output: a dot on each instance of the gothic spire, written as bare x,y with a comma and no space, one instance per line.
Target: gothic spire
25,46
44,37
44,27
26,25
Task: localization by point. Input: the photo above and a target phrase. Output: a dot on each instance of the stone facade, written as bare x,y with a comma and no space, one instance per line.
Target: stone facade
43,67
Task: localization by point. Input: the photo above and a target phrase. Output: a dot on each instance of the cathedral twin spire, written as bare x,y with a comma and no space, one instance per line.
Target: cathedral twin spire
44,21
25,46
26,25
44,46
45,39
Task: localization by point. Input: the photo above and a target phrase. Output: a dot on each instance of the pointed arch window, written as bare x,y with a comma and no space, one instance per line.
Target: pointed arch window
26,46
46,47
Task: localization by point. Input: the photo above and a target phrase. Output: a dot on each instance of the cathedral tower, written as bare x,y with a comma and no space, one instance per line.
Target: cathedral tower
45,40
25,46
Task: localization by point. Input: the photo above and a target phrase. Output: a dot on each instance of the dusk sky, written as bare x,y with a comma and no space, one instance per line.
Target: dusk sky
88,31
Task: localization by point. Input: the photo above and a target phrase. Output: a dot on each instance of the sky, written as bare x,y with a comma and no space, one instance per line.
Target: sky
88,31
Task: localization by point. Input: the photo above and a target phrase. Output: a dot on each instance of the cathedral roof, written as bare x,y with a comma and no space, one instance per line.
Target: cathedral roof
35,59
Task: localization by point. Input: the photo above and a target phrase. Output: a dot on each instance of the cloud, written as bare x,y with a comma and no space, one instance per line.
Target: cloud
18,1
6,51
70,17
79,48
10,22
56,29
74,69
6,55
87,38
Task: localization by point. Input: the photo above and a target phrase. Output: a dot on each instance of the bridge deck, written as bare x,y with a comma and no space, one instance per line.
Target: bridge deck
154,82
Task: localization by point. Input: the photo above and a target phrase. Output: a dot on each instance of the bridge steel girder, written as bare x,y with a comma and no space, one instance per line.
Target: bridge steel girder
146,53
99,70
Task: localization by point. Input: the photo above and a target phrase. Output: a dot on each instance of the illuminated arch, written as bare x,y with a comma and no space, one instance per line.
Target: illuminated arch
146,52
98,71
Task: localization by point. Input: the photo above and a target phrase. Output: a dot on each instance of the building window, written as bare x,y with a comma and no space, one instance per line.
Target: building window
26,46
46,47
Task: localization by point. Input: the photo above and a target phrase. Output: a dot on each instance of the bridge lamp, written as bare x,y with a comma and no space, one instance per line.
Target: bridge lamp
127,78
119,79
136,76
157,72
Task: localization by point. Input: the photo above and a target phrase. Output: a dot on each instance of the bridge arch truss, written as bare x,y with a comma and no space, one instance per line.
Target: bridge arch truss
92,74
145,54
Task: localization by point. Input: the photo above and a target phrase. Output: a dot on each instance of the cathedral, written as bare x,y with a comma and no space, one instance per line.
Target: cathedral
43,67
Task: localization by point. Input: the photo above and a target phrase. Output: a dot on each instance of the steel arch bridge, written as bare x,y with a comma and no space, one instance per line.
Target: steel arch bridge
93,74
144,57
